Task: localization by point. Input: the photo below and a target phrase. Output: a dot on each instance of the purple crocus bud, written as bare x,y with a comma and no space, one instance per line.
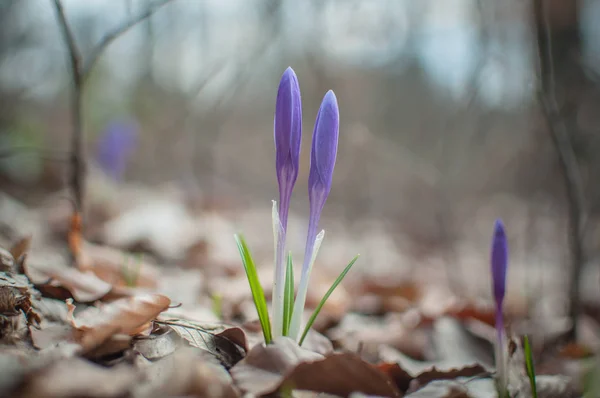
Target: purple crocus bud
323,153
499,259
288,137
322,162
115,145
499,262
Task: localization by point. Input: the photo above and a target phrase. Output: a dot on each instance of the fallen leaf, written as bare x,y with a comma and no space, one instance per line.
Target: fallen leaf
341,374
184,374
163,225
444,389
284,364
575,351
50,334
7,262
129,316
368,333
118,268
318,343
263,369
78,378
158,345
17,297
52,310
226,344
83,286
19,250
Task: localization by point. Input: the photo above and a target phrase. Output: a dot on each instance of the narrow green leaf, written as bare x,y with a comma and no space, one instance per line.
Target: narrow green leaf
325,297
258,295
288,297
529,365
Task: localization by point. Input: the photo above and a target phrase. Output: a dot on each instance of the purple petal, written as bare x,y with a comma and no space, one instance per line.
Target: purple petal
288,137
499,260
324,145
115,145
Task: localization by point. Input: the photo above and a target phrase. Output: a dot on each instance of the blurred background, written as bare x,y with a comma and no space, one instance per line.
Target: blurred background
441,125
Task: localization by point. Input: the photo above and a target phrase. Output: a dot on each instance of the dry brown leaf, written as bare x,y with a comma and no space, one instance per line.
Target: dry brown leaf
341,374
286,365
227,344
83,286
129,316
443,389
407,382
368,333
19,250
184,374
7,262
263,369
17,296
159,344
118,268
79,378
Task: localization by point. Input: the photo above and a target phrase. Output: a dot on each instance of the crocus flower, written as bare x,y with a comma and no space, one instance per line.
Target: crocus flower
499,261
115,145
322,162
288,137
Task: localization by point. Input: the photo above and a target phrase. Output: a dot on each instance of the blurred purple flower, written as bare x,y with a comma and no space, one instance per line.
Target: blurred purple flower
287,127
322,162
115,145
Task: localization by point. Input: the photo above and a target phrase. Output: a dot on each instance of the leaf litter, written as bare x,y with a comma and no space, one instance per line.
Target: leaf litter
158,324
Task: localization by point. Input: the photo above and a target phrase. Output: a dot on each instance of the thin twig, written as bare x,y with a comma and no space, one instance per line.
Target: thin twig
77,154
559,133
118,31
79,75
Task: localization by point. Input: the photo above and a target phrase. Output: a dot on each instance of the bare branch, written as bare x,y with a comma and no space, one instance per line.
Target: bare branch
79,74
77,151
67,32
118,31
560,136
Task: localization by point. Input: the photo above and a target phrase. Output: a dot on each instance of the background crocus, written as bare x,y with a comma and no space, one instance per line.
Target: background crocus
499,262
288,137
322,161
115,145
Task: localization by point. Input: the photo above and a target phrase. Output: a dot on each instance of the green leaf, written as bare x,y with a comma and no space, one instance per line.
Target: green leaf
325,297
529,365
258,295
288,296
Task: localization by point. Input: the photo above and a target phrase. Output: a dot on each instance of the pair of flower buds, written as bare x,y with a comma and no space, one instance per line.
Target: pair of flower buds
288,138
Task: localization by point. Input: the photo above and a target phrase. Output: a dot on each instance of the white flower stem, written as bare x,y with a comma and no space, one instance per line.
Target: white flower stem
300,301
279,278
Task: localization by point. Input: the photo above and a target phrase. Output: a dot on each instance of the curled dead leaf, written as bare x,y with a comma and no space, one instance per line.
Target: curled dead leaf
227,344
83,286
19,250
285,365
129,316
17,296
76,377
184,374
7,262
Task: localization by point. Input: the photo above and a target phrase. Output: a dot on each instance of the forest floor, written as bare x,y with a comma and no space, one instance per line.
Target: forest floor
158,305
